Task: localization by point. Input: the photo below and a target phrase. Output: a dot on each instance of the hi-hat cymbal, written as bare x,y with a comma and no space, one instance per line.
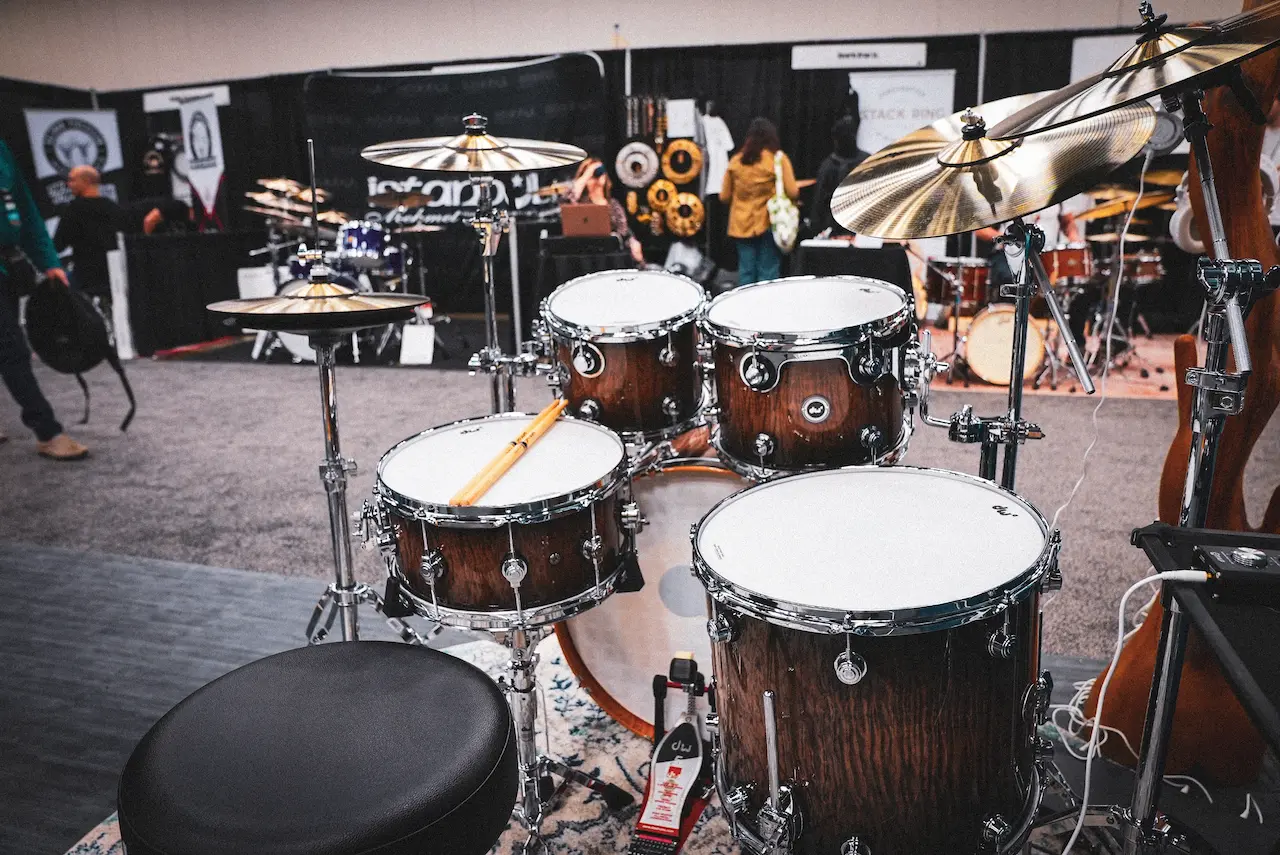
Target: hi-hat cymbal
474,151
1162,60
271,200
397,200
949,177
318,307
1120,207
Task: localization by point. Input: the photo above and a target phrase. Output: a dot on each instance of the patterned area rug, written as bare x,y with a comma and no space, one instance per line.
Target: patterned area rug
583,736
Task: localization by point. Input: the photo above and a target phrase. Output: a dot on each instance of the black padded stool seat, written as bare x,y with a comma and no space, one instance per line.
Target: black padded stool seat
361,748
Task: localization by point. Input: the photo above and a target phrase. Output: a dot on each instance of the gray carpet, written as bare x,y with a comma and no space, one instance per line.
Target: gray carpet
220,468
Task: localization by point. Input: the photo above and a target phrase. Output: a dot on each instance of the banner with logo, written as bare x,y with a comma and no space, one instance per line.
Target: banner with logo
64,139
202,143
559,99
895,103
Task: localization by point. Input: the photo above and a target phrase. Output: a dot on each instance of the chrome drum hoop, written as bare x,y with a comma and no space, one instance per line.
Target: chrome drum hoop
567,332
535,616
479,516
758,473
809,618
883,328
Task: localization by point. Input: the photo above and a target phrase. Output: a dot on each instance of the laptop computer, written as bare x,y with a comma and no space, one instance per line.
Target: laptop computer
585,220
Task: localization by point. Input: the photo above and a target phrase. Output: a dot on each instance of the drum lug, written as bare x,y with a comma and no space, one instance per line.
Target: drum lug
721,628
872,438
514,569
758,372
855,846
433,565
1052,579
671,408
1036,703
851,668
593,548
995,828
735,801
589,409
668,356
867,366
765,445
1002,644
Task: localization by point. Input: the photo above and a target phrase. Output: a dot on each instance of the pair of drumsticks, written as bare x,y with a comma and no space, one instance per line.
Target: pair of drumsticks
492,471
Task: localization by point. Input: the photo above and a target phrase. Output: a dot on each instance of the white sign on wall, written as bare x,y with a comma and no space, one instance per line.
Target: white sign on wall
865,55
171,99
202,142
63,139
892,104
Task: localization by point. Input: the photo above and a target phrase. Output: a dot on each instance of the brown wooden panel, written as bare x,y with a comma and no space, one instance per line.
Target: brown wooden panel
912,758
744,413
633,383
473,579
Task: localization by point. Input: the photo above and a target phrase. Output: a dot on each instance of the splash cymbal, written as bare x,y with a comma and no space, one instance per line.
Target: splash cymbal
474,151
317,307
949,177
1120,207
1163,59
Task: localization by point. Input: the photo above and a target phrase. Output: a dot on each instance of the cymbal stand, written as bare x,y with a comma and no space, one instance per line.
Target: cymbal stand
959,365
538,792
490,224
1231,286
1022,245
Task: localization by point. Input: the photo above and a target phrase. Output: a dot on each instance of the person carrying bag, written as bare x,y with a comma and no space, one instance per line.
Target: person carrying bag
760,180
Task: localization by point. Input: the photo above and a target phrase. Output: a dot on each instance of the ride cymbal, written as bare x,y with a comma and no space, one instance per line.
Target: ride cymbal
318,307
1120,207
474,151
949,177
1163,59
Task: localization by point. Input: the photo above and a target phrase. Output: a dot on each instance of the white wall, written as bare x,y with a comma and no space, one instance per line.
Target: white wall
125,44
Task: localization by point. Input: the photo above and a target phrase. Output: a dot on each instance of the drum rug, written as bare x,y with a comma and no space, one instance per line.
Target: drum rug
583,736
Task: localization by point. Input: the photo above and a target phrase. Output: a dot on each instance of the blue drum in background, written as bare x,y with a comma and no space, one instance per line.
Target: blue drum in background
301,269
363,244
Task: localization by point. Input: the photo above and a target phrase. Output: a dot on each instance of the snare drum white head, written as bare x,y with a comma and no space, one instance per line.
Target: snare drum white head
618,299
872,539
432,466
806,304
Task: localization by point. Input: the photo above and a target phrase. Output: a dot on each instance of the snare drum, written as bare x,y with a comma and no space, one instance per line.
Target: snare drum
1070,266
807,373
363,243
624,341
549,541
971,275
886,669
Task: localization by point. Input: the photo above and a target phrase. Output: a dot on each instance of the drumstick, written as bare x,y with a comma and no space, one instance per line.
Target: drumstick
505,459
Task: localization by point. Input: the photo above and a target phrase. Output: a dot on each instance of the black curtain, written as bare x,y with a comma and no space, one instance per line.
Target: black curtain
17,95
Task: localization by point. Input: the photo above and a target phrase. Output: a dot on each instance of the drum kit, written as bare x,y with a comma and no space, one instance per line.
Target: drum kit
871,695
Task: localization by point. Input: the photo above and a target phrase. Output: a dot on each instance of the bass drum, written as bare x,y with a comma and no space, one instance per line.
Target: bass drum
616,648
989,346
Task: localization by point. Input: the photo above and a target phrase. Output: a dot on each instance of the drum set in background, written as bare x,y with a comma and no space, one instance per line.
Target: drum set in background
872,695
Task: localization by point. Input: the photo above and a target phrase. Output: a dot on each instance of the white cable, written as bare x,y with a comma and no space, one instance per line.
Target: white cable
1111,323
1092,751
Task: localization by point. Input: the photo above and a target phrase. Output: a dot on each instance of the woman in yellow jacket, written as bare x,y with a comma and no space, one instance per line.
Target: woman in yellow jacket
748,185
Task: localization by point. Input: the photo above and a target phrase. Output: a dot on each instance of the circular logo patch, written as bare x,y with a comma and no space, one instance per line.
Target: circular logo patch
815,409
73,142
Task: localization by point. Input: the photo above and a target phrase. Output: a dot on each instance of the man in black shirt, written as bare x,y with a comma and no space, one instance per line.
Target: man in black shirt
89,224
844,157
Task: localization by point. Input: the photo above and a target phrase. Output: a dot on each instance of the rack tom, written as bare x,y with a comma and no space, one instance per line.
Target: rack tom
549,540
971,276
624,343
807,373
877,683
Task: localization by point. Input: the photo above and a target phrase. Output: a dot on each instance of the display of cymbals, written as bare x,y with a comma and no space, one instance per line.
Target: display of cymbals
335,217
949,177
317,307
1110,193
1120,207
280,203
416,228
304,195
286,186
1163,59
398,200
661,194
281,216
637,164
682,161
685,215
474,151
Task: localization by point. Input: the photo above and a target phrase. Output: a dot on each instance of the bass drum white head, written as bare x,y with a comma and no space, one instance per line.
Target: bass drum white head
620,300
617,647
989,346
872,540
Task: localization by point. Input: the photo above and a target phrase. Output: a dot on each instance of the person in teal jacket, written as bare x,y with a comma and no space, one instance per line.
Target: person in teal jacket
22,225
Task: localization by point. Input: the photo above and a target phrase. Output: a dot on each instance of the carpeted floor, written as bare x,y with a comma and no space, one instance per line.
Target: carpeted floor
220,468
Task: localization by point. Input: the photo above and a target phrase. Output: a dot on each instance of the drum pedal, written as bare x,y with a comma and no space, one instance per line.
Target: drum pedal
680,777
393,605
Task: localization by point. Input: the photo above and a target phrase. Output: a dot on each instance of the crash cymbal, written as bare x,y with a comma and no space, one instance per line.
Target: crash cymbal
335,217
1114,237
280,203
281,185
398,200
317,307
474,151
1163,59
1111,192
949,177
1164,177
304,195
1120,207
282,216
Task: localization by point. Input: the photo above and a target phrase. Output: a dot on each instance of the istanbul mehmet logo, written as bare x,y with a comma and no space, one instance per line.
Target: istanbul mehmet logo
72,142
